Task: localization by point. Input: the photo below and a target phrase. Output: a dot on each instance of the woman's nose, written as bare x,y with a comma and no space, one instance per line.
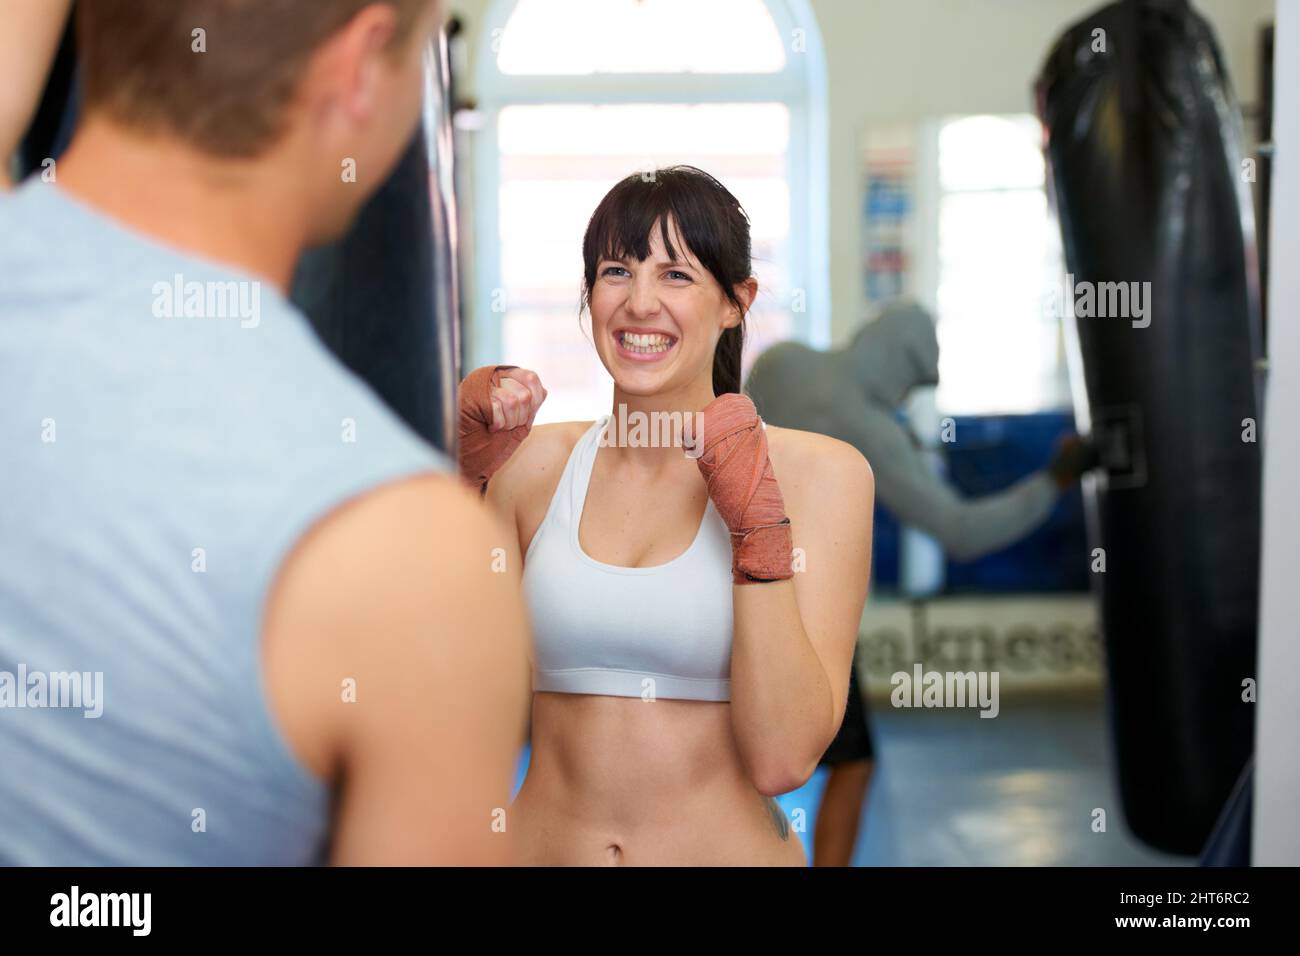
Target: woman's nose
643,298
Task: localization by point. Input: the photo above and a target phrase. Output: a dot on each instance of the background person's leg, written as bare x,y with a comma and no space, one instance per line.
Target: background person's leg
851,761
840,813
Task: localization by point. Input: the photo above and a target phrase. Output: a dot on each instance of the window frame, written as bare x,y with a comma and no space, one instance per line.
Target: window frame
800,87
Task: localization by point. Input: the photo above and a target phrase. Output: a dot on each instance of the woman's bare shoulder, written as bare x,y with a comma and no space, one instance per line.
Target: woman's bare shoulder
553,438
809,459
541,456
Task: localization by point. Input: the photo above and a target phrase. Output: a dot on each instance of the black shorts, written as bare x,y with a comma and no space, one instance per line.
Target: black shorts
853,741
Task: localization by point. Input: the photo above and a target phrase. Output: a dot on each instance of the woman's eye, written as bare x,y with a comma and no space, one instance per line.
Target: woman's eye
675,275
612,270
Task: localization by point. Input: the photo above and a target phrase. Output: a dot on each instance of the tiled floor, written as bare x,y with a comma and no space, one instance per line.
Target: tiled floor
954,789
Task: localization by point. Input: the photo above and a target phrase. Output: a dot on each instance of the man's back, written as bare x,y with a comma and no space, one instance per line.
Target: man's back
792,385
170,430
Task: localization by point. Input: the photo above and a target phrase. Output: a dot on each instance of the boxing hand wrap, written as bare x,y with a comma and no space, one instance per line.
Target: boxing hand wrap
739,476
483,451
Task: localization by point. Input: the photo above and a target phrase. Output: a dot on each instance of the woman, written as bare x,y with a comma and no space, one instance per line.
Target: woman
694,619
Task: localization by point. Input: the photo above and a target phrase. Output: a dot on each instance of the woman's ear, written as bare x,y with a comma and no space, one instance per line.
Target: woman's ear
746,293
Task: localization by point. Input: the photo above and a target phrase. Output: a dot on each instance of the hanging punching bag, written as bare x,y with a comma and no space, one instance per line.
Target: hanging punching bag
1145,148
384,297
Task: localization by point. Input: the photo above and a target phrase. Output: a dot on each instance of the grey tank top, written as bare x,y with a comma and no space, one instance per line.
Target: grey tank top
656,632
169,429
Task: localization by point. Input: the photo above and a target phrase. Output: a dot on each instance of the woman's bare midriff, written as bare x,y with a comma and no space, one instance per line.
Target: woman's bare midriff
620,781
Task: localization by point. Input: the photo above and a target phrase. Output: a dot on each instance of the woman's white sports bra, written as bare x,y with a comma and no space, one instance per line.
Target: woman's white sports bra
657,632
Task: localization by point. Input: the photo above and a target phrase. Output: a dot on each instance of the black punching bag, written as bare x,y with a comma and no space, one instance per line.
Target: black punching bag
1145,149
384,297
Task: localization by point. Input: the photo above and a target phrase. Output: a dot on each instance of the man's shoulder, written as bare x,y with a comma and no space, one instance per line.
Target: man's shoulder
378,585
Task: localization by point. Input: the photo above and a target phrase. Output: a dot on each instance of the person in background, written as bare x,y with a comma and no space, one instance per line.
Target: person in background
275,603
853,394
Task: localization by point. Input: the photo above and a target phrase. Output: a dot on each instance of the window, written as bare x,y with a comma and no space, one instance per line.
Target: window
579,94
581,37
999,263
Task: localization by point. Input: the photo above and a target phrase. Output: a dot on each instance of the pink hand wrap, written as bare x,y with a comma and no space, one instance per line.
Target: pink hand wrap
739,476
482,451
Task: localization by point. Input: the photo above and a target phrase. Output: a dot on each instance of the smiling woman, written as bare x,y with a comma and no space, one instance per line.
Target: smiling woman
675,210
574,95
687,667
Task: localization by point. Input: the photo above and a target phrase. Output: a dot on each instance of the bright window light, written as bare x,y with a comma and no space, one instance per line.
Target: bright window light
582,37
999,262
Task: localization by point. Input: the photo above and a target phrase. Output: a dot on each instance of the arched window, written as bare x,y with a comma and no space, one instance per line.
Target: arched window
576,94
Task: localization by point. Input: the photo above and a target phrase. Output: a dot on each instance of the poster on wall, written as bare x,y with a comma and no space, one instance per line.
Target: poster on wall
888,209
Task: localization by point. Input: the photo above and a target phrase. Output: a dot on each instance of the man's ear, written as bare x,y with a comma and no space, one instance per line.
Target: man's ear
346,68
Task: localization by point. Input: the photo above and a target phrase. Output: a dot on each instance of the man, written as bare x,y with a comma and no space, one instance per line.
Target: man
853,394
246,616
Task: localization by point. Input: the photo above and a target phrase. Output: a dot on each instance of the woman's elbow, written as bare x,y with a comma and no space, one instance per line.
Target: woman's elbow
782,777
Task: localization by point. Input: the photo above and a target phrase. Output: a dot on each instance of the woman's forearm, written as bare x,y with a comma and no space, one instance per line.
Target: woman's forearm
781,704
28,41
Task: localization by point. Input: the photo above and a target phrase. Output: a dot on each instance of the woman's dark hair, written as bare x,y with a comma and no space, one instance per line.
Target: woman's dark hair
708,219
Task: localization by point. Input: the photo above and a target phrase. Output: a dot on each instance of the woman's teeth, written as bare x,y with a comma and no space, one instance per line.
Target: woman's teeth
646,344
